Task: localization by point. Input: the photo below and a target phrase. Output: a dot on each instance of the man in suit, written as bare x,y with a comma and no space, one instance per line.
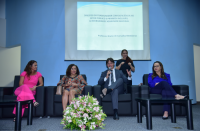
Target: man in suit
113,81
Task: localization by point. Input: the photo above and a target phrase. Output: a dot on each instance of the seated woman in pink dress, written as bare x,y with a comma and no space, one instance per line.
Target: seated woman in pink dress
27,85
73,83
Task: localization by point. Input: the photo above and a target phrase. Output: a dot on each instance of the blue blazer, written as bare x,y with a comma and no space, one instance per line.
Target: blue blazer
152,82
118,74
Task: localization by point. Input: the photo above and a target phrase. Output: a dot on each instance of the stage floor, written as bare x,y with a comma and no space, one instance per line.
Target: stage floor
124,123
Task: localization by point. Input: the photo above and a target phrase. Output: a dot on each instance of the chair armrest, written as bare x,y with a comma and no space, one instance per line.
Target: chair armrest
49,100
181,89
8,91
40,97
135,91
144,90
97,92
1,93
88,89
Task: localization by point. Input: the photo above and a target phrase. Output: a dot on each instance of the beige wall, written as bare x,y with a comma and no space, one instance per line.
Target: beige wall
10,65
197,70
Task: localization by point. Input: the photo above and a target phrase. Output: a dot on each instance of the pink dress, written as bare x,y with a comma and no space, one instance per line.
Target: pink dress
23,92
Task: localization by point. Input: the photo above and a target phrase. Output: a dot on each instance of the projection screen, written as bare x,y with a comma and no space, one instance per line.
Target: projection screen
99,30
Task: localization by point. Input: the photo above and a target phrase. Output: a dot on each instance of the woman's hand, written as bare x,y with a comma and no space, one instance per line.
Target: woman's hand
128,72
121,63
68,84
157,83
33,88
74,85
129,63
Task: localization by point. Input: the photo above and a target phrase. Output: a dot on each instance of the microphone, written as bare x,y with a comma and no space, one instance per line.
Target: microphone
109,69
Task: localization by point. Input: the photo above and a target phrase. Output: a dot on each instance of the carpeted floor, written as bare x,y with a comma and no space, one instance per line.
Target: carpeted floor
124,123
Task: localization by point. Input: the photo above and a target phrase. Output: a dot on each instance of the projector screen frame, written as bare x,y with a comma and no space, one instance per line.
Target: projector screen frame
71,34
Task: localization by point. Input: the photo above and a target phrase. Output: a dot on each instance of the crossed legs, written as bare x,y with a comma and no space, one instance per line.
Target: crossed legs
166,91
114,90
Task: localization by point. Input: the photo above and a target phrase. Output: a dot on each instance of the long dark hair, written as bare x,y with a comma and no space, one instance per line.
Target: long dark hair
28,67
68,71
162,71
128,59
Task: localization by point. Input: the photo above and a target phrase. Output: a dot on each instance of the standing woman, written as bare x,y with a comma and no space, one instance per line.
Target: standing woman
125,63
73,83
160,83
27,85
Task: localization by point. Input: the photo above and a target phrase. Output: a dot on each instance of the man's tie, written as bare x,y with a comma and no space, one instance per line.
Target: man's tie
112,81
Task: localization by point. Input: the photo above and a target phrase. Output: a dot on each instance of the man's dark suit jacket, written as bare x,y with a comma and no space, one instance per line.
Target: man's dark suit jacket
118,74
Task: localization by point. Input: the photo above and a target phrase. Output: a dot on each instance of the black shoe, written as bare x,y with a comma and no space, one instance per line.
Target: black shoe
116,117
164,118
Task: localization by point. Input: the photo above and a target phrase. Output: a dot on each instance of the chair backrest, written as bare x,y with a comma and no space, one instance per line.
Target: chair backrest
145,79
16,82
83,75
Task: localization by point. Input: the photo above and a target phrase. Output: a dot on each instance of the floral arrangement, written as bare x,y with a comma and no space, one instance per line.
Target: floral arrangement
84,113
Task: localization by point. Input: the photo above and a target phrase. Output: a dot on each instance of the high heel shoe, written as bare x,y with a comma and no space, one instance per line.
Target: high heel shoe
186,96
14,119
164,118
36,104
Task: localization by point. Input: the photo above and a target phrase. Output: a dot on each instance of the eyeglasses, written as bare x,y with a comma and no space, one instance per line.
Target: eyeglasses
124,53
156,66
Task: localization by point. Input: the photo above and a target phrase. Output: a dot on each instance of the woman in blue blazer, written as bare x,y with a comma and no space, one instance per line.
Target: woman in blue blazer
160,83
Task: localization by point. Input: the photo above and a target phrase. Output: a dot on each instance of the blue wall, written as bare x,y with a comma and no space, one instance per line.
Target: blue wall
39,27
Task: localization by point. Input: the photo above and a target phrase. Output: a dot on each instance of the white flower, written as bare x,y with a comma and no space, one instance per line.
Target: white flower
77,103
71,113
98,117
94,99
69,121
68,118
84,122
96,109
85,115
92,126
66,112
96,103
81,109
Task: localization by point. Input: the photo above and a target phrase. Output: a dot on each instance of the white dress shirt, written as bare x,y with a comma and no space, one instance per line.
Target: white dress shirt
114,78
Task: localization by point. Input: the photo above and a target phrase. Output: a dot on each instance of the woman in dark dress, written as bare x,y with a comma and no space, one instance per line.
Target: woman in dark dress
125,63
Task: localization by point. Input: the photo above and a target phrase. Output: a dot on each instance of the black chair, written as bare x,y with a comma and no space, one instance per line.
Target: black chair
1,98
54,102
7,93
127,104
157,109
